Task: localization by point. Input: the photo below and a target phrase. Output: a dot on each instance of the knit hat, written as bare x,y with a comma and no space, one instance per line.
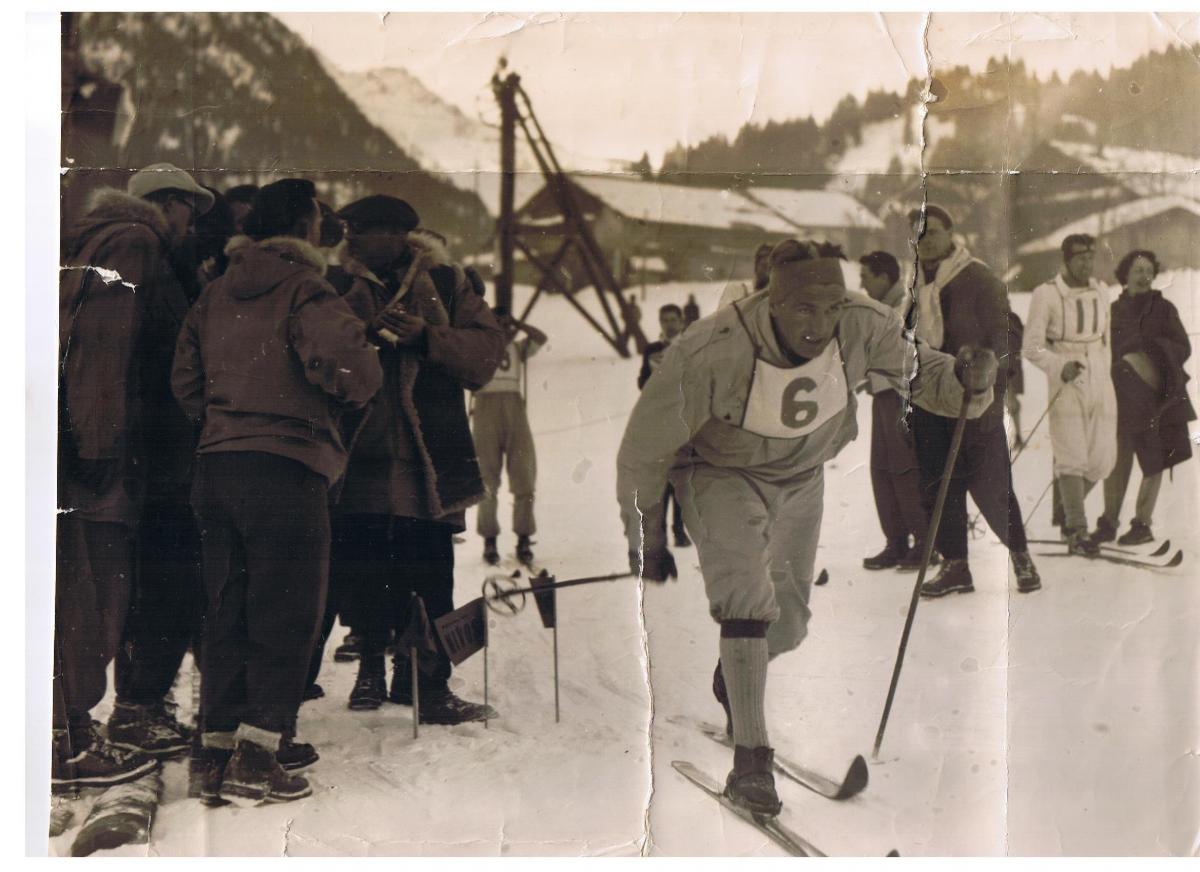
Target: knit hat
168,177
380,210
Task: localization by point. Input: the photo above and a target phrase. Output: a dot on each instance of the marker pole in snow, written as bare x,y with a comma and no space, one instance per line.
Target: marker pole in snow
416,691
556,716
955,444
485,670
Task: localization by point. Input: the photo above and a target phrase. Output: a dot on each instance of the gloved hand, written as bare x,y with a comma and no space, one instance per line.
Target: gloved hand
385,325
975,368
659,565
97,475
1071,371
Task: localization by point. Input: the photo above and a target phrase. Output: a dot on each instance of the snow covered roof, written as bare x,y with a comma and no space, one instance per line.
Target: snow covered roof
1099,223
1153,172
777,211
659,202
816,208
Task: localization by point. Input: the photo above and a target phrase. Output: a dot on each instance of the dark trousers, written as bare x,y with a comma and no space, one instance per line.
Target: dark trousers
94,565
166,609
380,561
895,474
982,469
333,607
264,532
677,517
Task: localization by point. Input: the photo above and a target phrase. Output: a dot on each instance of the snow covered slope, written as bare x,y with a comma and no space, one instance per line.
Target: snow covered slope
1062,722
464,151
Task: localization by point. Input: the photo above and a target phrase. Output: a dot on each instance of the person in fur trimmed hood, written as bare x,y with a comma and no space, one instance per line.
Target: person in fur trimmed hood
267,361
413,467
124,456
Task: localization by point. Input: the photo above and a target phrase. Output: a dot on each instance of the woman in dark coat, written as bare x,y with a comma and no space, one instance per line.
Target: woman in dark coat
1149,348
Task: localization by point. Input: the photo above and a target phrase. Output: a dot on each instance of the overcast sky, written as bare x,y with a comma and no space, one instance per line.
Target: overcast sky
611,85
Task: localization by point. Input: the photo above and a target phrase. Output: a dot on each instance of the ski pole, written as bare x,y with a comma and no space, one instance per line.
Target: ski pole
1039,500
955,443
1036,424
974,522
571,583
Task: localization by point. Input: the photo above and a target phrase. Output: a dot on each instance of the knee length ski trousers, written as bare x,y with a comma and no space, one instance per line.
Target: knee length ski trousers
757,542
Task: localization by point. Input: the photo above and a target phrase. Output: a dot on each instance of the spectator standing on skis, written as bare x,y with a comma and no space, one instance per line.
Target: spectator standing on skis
960,302
1149,347
504,441
761,396
670,320
895,475
413,469
1067,337
124,456
267,359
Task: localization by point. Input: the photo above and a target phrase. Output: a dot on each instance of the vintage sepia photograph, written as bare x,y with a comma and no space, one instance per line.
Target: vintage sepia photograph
574,434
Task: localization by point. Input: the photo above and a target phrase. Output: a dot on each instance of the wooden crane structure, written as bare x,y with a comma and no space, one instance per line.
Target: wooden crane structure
516,109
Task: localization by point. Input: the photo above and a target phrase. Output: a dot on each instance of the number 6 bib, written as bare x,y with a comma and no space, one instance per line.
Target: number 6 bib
790,403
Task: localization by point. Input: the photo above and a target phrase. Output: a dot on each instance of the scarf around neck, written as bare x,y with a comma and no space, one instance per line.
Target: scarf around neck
930,326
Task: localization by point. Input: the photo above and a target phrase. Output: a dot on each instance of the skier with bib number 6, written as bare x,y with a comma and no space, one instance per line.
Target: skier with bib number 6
745,410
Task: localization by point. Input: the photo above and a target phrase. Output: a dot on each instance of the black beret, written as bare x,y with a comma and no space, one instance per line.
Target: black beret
380,210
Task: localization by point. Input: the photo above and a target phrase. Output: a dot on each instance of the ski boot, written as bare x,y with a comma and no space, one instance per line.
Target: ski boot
751,784
524,550
348,650
294,755
1028,579
1105,531
151,729
253,772
313,691
370,688
211,764
491,554
911,561
87,759
890,556
722,695
954,577
439,706
1139,534
1081,544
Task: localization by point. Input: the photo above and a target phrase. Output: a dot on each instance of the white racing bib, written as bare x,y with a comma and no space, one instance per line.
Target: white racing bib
508,374
790,403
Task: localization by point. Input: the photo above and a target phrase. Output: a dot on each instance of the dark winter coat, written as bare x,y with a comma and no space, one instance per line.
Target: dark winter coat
270,356
414,456
651,358
975,312
120,310
1156,421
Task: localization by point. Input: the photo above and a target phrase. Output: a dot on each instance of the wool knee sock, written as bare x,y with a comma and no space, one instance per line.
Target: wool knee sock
744,665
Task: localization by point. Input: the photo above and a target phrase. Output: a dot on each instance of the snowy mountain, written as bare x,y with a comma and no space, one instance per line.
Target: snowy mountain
464,151
239,97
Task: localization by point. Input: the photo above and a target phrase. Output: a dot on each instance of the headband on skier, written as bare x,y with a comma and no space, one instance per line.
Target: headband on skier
815,277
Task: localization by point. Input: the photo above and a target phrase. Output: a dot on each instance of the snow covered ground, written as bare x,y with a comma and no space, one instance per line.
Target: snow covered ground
1062,722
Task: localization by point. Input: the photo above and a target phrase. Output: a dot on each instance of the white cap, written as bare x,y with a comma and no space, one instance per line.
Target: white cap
165,176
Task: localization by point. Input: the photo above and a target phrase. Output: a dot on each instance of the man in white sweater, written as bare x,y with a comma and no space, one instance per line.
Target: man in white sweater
1067,337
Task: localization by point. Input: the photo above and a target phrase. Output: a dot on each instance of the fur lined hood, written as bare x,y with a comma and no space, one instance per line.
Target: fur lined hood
419,242
111,206
258,267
